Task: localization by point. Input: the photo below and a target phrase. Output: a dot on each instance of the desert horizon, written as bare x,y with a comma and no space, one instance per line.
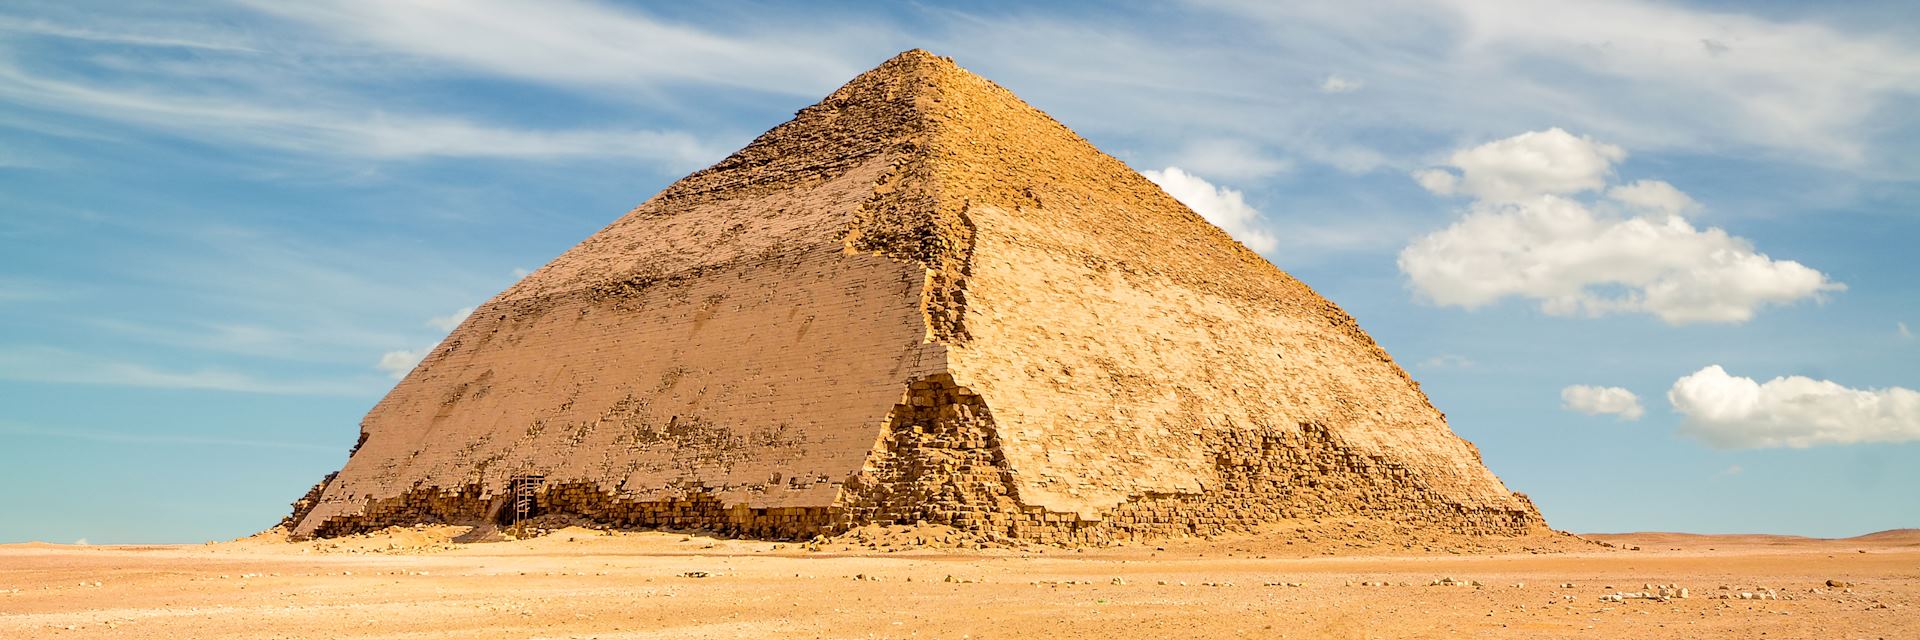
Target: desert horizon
907,582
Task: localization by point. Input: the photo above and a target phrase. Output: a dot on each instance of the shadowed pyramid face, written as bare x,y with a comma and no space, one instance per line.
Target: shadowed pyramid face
920,299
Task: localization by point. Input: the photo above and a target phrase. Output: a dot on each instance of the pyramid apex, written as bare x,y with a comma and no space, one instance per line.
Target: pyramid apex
916,62
917,54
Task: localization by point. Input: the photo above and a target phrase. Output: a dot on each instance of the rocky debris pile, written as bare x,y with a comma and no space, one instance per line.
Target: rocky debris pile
1727,593
414,539
1326,537
901,537
1657,593
547,524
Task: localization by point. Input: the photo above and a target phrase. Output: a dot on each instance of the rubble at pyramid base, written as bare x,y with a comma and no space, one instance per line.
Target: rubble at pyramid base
939,465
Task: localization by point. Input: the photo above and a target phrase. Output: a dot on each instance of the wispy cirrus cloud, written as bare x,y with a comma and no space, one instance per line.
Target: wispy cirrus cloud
1800,91
19,289
1230,159
122,437
1791,88
1448,361
62,366
303,317
1797,92
593,44
343,129
253,81
315,338
43,27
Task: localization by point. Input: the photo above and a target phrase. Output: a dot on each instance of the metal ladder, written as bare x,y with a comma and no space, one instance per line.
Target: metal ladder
523,488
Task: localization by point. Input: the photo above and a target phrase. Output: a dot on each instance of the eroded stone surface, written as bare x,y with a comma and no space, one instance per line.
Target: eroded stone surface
920,300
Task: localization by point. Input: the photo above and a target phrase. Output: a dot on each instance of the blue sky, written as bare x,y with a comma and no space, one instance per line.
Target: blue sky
1655,260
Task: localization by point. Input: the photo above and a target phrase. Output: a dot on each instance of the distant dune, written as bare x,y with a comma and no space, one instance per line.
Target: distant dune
1890,537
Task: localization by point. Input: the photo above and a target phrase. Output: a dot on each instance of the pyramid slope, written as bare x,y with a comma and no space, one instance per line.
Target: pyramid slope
921,299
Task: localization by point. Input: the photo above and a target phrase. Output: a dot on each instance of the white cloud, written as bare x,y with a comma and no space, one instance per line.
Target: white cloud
451,320
1595,401
1730,412
1525,237
1574,260
1527,165
1438,181
398,363
1225,208
1338,84
521,272
82,542
1905,333
1730,471
1654,196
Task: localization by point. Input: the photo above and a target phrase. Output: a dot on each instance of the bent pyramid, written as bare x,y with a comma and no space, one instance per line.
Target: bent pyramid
919,300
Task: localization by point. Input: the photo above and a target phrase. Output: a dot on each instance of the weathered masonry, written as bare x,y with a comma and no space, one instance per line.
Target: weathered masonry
919,300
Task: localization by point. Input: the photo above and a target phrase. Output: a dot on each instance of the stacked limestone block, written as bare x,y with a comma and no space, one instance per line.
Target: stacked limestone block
919,300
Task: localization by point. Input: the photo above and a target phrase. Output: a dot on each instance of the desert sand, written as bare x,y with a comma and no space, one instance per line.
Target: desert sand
1325,582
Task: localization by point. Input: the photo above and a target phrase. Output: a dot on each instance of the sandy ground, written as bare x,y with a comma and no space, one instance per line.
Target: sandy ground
583,584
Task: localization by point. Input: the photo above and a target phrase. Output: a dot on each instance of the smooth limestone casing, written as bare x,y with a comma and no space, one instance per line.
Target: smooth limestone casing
921,299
